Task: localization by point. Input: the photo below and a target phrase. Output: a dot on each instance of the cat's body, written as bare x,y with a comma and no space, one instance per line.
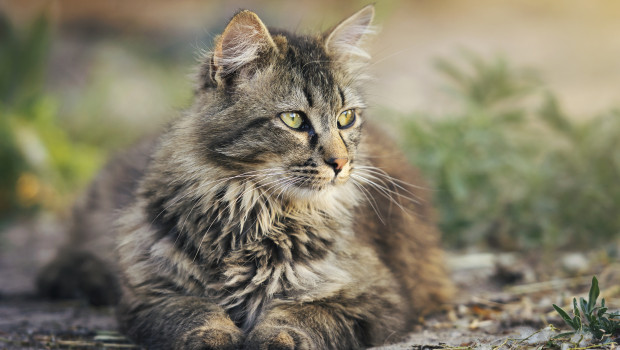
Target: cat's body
263,218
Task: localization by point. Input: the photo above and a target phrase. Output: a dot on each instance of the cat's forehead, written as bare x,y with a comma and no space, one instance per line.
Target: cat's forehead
306,56
306,66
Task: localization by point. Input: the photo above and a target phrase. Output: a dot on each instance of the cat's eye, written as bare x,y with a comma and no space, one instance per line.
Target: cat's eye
346,119
292,119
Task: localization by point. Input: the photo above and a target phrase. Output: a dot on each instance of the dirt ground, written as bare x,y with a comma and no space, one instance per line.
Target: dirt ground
503,300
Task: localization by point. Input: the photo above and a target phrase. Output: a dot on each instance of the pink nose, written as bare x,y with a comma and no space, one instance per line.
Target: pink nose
337,163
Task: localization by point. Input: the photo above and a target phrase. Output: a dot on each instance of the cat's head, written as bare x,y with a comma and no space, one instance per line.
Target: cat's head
283,109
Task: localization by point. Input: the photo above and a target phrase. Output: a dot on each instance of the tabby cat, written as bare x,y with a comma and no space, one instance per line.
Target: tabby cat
264,218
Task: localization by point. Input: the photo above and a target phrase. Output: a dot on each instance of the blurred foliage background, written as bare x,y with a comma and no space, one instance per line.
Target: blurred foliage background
40,164
508,166
511,169
53,138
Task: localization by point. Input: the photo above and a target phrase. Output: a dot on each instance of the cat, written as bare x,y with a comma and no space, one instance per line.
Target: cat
271,215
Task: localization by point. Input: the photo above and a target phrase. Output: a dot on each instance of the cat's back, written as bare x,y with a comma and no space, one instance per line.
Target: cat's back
399,222
113,189
86,266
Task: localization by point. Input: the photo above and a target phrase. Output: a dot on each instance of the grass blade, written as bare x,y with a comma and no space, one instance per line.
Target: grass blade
564,316
593,295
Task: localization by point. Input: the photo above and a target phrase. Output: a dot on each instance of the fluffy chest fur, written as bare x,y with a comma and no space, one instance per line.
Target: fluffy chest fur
242,245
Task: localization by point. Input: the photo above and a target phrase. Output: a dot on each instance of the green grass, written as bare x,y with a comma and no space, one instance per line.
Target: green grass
510,170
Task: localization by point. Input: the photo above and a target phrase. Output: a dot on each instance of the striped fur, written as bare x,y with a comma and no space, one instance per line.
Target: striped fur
244,234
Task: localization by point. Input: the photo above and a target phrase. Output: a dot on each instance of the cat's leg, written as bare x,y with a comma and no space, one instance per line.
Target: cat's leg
165,321
351,320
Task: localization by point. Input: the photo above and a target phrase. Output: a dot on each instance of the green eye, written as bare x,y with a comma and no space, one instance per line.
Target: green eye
346,118
292,119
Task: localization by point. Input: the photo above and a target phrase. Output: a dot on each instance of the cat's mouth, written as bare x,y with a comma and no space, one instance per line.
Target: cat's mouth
319,183
303,181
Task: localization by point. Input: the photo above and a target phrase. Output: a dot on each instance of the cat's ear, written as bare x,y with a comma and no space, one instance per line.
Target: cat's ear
243,39
345,40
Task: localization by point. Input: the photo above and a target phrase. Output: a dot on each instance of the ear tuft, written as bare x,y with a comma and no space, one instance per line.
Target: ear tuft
347,37
243,39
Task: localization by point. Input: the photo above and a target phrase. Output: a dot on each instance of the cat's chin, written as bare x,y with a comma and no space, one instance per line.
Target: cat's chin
311,193
319,194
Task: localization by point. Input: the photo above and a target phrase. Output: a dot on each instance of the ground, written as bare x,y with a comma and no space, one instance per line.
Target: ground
503,301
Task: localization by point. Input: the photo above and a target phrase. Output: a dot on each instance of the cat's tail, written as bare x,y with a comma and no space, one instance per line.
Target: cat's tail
75,274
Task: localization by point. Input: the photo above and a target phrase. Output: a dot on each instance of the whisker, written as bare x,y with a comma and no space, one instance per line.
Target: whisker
384,173
413,198
240,196
267,195
286,185
214,183
381,190
245,176
371,200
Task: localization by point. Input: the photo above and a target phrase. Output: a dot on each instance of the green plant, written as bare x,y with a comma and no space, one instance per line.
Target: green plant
53,139
509,169
593,319
40,165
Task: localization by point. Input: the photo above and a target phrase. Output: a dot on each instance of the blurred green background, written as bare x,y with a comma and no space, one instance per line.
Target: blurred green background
516,158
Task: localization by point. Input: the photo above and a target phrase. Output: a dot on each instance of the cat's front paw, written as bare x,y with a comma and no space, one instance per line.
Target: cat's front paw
279,337
214,338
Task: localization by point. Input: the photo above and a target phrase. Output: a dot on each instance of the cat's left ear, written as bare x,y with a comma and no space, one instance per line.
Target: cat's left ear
345,40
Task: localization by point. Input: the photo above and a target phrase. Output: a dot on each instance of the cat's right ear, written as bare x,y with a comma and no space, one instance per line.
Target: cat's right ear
345,41
236,49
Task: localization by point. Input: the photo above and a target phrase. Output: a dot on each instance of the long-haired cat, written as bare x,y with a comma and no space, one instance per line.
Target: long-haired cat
272,215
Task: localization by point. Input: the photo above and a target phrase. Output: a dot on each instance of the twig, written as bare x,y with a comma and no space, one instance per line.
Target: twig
547,285
594,346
